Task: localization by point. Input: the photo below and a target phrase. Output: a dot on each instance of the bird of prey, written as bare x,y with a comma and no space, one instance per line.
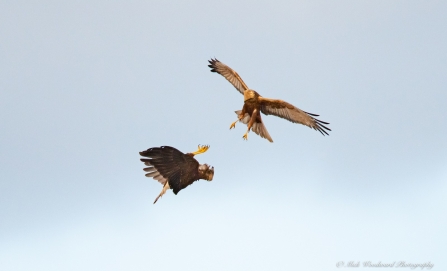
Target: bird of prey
254,104
174,169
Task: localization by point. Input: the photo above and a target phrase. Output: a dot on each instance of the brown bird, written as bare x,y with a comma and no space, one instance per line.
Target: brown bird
174,169
254,104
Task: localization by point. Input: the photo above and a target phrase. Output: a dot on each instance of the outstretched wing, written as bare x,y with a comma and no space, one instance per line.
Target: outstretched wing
229,74
171,165
289,112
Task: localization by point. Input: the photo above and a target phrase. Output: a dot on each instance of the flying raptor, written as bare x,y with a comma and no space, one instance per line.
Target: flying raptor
174,169
254,104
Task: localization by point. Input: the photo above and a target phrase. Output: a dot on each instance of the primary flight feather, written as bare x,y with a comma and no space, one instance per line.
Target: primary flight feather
254,104
174,169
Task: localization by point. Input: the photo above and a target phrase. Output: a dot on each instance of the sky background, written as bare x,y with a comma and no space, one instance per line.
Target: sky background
85,86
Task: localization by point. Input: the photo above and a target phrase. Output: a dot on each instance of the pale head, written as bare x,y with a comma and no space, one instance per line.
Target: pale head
206,172
250,94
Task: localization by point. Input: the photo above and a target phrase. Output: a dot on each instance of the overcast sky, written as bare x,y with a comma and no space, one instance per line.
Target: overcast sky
85,86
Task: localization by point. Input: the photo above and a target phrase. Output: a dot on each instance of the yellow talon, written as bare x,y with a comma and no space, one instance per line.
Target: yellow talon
245,136
233,125
201,149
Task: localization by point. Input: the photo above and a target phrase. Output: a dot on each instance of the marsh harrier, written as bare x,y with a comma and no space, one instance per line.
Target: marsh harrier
254,104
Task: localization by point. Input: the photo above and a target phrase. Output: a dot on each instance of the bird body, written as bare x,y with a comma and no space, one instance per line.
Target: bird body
254,104
250,115
173,169
251,96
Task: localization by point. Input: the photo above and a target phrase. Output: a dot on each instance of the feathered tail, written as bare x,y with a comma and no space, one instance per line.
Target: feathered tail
257,127
165,187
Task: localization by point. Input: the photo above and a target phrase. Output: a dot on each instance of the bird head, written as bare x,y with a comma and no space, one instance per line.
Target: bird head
206,172
250,94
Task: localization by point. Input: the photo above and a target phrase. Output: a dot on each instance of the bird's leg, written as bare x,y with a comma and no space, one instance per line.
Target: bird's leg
252,119
238,119
201,149
233,124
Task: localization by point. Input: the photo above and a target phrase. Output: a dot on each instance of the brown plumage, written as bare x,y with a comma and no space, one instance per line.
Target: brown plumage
174,169
254,104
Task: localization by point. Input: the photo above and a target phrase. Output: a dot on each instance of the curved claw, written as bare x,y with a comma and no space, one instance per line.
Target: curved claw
233,125
201,149
245,136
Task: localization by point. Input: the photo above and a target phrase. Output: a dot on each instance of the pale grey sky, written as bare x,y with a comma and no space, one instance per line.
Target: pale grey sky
85,86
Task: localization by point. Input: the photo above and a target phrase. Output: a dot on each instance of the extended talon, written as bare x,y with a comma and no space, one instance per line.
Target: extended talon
245,136
201,149
233,125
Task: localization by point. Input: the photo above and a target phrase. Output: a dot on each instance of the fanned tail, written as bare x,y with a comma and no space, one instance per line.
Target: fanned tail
258,127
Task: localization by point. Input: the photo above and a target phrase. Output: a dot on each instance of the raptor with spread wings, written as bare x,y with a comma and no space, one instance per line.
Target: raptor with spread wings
174,169
254,104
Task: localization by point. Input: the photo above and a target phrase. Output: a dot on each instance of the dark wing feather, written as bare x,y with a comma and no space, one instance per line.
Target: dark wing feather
229,74
179,169
289,112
